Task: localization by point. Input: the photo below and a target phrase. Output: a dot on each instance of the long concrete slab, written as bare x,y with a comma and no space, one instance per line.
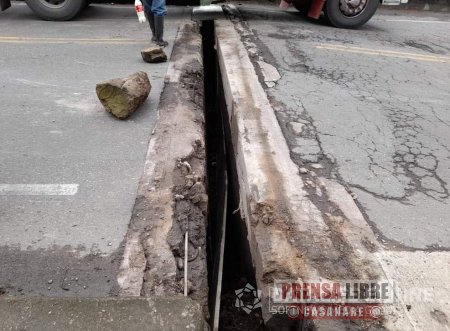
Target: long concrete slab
171,199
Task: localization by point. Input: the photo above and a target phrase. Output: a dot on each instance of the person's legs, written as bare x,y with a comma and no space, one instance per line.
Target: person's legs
159,10
151,22
150,18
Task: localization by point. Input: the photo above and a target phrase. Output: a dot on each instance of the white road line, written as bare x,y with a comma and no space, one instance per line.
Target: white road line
415,21
38,189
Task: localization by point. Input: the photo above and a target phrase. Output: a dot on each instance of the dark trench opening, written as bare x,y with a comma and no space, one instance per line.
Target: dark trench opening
223,188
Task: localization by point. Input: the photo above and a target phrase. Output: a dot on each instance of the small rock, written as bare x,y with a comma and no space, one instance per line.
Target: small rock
316,166
310,183
154,54
180,264
354,196
50,281
110,244
303,170
296,127
253,51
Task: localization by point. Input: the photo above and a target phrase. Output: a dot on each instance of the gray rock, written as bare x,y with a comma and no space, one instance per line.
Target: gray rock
153,54
303,170
296,127
122,96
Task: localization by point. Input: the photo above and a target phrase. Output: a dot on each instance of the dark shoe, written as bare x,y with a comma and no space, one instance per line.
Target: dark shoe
151,22
162,43
159,31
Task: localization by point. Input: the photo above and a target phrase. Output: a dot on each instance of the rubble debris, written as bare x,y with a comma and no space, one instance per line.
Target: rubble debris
122,96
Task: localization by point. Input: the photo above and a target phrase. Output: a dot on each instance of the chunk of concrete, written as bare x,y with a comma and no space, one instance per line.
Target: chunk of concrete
122,96
133,314
270,73
154,54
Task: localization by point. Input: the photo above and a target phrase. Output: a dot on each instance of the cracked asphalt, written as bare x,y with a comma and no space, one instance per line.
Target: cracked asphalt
371,107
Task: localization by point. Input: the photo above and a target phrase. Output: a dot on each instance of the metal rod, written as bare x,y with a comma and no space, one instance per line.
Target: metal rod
186,244
221,256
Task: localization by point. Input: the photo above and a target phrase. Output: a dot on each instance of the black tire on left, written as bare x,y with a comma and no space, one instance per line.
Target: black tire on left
64,10
337,18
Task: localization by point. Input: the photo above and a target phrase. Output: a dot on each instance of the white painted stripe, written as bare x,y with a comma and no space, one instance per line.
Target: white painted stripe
415,21
38,189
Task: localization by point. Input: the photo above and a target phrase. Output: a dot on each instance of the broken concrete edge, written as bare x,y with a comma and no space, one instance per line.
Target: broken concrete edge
171,195
290,236
154,313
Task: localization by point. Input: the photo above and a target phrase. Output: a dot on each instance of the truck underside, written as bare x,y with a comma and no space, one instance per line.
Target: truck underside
340,13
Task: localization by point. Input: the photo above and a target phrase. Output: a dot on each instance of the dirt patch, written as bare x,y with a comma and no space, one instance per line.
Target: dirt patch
172,196
190,215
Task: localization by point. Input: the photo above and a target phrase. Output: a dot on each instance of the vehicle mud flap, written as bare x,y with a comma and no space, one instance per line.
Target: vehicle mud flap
5,4
316,8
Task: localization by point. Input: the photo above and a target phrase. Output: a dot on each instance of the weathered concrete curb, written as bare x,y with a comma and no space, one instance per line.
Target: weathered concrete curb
133,314
290,238
171,196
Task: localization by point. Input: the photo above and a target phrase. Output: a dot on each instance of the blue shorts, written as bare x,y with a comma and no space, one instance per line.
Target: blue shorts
157,7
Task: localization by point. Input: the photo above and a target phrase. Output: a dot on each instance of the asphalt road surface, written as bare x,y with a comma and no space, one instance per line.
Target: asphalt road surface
69,171
372,107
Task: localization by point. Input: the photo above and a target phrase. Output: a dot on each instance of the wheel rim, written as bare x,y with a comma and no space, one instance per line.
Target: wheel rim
53,3
352,8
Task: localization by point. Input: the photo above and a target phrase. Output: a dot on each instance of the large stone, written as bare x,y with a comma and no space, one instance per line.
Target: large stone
122,96
153,54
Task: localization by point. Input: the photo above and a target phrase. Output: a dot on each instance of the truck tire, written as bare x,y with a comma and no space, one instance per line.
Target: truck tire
350,13
57,10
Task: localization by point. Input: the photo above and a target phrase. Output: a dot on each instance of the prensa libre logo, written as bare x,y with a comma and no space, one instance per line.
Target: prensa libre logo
248,298
320,299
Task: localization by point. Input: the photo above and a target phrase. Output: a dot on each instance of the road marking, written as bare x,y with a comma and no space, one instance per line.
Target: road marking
32,83
39,40
388,53
414,21
38,189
